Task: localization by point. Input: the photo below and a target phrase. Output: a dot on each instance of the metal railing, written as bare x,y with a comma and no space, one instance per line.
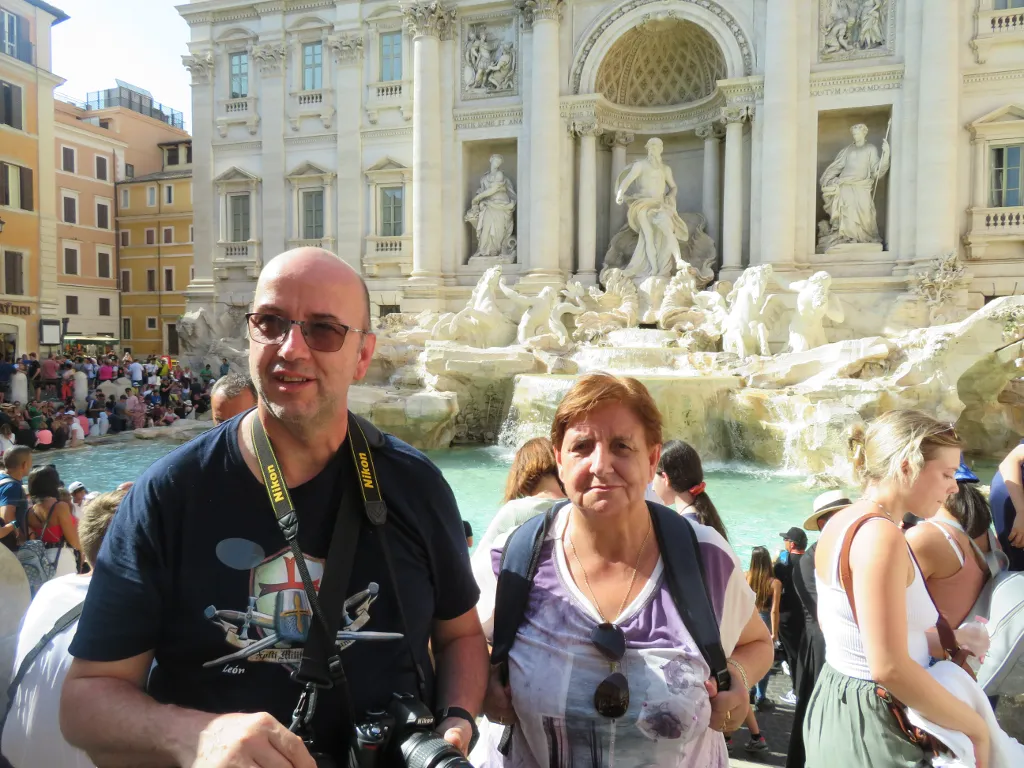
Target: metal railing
136,102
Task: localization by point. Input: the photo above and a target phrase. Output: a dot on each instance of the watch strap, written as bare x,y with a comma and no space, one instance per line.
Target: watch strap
462,714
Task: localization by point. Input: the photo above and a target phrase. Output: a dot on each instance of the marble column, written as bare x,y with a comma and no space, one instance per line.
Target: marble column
586,219
427,21
348,52
546,129
732,208
937,128
616,213
201,292
779,166
712,186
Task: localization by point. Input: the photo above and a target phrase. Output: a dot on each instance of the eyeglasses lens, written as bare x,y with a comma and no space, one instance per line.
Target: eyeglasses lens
611,699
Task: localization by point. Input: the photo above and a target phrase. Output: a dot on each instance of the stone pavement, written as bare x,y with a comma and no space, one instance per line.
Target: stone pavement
777,724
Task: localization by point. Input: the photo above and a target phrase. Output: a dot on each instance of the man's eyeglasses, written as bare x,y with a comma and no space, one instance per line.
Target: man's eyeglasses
320,335
611,699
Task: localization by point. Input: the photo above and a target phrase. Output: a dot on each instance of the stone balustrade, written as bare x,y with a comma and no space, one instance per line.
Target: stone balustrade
993,225
388,256
995,28
240,111
312,104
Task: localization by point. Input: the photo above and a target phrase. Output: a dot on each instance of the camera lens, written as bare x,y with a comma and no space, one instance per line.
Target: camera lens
428,750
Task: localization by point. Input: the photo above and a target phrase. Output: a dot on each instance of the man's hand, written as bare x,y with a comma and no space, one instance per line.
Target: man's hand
248,741
728,708
456,732
1016,534
498,700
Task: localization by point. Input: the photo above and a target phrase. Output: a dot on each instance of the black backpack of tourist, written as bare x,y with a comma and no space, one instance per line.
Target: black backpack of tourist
684,568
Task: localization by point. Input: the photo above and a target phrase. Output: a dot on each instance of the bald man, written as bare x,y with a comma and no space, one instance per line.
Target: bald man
231,395
199,575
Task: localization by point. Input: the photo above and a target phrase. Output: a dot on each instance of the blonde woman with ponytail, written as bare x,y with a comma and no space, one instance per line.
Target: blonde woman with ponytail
906,462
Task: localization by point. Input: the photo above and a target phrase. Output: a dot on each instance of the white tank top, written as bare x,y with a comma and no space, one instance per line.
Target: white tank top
844,650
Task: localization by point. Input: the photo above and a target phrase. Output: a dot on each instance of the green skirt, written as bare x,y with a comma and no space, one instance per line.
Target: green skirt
849,726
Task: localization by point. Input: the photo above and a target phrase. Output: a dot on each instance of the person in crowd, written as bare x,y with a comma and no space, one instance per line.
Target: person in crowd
467,528
601,565
78,493
61,432
1006,498
767,595
49,373
680,481
953,564
29,738
120,421
206,374
106,371
791,615
135,373
32,372
225,367
7,369
83,420
811,655
309,341
6,438
135,409
101,425
89,368
531,487
43,439
50,519
906,461
231,395
17,463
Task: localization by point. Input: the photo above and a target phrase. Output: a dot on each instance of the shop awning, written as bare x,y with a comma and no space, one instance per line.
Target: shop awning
91,339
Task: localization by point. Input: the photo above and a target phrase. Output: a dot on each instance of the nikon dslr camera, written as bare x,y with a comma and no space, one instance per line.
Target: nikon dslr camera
403,736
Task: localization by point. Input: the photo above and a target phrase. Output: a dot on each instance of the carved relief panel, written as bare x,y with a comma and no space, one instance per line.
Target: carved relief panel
489,56
856,29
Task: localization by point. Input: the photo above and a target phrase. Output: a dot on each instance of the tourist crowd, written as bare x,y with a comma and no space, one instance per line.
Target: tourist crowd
603,619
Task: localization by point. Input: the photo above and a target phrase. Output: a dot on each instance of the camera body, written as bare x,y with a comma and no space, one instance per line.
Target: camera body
403,736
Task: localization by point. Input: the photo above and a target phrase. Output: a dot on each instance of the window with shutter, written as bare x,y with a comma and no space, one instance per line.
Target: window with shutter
313,214
27,193
10,105
102,215
13,280
151,280
168,278
103,264
101,168
5,197
24,45
68,159
105,307
168,235
71,304
126,281
70,261
126,328
150,237
70,210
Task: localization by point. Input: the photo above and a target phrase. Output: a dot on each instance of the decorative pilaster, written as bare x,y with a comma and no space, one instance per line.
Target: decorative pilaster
348,50
587,214
200,292
270,220
732,208
779,166
427,22
347,47
937,127
271,57
546,134
979,194
200,66
712,187
616,213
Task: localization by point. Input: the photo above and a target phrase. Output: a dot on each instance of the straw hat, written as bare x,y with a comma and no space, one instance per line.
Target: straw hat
827,503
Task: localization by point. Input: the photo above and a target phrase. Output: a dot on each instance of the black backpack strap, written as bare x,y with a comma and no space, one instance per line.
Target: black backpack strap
684,568
63,623
515,579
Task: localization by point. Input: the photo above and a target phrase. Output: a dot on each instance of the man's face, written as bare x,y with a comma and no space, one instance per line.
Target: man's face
78,495
299,385
226,407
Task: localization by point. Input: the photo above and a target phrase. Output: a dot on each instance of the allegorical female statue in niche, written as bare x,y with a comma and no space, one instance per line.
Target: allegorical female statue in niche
848,191
492,214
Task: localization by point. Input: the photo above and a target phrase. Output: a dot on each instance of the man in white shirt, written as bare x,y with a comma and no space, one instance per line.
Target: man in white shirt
78,493
135,372
31,735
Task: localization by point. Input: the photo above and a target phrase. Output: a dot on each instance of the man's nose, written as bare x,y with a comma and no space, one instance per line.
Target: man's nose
294,345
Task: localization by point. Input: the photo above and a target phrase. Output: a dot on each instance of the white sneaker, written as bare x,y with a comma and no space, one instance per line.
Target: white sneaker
785,669
789,698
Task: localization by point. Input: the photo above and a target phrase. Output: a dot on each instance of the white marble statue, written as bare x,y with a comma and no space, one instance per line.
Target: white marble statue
871,34
617,306
814,303
502,72
854,25
536,312
492,214
573,302
481,323
848,191
479,54
652,215
745,330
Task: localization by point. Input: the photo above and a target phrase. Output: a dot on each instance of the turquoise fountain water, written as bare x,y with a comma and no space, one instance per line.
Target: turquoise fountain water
755,503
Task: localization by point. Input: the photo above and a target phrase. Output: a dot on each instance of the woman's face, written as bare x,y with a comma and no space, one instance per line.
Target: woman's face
604,461
935,483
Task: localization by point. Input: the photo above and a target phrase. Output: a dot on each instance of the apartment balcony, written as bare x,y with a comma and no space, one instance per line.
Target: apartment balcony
990,226
243,256
997,28
241,111
317,104
391,94
388,256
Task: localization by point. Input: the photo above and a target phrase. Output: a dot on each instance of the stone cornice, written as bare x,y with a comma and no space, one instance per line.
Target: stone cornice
835,82
468,119
613,117
218,11
239,146
993,76
428,18
387,133
320,138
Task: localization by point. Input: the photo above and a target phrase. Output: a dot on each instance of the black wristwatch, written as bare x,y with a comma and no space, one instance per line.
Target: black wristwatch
462,714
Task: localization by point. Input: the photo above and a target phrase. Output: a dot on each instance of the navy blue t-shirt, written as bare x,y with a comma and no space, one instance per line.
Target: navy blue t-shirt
195,567
1003,515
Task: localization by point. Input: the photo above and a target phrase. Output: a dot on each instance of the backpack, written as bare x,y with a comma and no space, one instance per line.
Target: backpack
684,569
1002,603
32,555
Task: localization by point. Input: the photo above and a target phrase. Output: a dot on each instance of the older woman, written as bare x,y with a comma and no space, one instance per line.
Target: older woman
600,577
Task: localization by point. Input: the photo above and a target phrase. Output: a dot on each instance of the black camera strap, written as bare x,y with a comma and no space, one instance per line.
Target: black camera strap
329,605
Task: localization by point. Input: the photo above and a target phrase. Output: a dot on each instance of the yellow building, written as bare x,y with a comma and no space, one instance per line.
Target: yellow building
154,231
29,308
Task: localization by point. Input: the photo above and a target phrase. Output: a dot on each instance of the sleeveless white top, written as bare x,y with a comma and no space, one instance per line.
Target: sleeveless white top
844,650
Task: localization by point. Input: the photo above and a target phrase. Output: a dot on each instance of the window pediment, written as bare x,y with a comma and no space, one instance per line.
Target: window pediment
387,170
1004,123
310,22
308,171
236,35
236,177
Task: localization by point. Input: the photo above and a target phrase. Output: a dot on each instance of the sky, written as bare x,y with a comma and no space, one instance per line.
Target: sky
108,39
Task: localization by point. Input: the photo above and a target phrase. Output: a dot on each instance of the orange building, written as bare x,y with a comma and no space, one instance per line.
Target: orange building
29,311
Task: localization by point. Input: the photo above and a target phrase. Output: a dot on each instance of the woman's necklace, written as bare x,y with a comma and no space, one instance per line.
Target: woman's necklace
880,506
586,581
